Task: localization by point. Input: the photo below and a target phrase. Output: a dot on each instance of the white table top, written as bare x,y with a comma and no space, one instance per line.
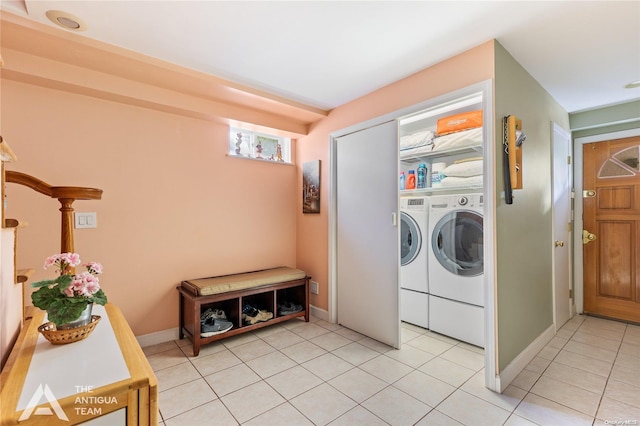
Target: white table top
70,369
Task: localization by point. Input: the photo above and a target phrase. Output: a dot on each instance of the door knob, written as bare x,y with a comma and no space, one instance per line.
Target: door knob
587,237
559,243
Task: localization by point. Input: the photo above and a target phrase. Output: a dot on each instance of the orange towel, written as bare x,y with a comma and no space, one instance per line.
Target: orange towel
457,122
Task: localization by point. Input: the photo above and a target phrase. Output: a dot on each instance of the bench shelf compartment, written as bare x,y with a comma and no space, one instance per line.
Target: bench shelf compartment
265,297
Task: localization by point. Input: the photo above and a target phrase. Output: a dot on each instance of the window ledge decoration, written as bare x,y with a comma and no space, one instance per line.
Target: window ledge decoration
259,146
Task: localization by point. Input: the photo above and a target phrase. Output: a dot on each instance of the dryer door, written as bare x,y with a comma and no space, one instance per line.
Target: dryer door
457,242
410,239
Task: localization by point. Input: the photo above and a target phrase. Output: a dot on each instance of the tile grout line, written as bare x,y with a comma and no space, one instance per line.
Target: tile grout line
542,373
595,418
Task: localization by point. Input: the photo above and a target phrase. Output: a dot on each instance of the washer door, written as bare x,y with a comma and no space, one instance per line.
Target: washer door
457,243
410,239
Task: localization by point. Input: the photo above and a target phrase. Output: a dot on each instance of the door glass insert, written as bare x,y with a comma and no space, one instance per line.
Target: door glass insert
458,243
622,164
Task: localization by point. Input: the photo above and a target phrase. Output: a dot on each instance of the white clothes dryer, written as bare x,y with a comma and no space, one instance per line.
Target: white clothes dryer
414,240
456,267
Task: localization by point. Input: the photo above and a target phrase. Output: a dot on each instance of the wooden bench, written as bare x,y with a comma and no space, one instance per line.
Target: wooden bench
264,289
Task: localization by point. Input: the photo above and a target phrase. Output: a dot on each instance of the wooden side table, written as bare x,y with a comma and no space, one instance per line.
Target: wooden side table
103,379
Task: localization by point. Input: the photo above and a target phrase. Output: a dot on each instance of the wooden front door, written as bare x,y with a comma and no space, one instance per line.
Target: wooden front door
612,229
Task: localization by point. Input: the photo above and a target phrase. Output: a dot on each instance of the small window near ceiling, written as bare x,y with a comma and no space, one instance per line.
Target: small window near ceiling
259,146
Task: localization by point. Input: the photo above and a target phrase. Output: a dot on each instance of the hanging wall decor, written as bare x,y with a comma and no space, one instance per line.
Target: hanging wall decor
311,187
513,137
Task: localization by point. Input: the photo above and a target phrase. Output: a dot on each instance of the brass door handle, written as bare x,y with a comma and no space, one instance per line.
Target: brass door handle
559,243
587,237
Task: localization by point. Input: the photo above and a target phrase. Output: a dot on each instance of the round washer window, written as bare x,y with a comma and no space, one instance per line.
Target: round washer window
410,239
457,243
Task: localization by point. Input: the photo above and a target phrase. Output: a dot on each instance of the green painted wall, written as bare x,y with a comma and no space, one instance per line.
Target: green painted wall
524,228
610,119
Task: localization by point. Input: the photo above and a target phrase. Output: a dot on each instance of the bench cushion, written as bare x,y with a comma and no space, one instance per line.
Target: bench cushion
226,283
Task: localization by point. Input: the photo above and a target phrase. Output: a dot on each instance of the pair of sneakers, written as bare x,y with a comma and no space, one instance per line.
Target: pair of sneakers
214,321
251,315
288,308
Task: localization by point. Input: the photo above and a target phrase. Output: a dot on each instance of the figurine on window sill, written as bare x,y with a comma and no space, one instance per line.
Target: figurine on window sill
238,143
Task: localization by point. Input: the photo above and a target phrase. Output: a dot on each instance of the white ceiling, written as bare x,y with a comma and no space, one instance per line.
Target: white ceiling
327,53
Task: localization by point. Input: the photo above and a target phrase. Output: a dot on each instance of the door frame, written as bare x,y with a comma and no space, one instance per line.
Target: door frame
578,224
492,380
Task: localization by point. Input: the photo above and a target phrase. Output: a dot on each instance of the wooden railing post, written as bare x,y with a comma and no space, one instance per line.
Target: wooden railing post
66,240
65,194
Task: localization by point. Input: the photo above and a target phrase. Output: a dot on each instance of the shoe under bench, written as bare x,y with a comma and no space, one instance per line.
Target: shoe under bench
265,288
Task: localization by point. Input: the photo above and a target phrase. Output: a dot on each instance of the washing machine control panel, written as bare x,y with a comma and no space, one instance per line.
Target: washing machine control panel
469,201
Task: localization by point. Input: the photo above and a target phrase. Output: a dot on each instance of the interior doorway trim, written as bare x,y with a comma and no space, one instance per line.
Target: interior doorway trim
578,277
492,378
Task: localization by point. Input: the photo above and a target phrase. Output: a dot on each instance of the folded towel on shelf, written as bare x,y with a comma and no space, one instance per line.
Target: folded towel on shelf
416,140
464,169
457,122
415,152
454,181
461,139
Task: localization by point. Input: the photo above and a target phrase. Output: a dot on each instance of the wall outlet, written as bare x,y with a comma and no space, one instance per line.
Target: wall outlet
314,288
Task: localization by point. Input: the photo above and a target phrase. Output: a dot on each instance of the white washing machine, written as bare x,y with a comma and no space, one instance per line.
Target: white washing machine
414,243
456,267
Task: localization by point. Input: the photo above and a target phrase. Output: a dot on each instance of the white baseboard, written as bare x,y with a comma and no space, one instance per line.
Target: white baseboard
514,368
319,313
157,337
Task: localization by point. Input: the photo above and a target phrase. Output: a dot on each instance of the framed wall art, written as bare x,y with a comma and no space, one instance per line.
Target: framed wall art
311,187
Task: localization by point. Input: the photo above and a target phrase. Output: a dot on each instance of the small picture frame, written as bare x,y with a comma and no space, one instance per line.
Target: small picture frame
311,187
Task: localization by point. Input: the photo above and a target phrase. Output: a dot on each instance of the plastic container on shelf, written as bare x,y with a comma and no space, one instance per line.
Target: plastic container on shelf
421,180
402,181
436,174
411,180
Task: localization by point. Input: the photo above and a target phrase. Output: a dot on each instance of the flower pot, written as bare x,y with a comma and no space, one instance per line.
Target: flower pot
83,319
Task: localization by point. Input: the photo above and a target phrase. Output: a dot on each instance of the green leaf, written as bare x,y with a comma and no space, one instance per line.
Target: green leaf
62,281
46,296
99,297
44,283
64,311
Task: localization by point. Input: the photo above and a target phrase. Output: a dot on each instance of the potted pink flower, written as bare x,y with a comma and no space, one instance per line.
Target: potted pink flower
69,297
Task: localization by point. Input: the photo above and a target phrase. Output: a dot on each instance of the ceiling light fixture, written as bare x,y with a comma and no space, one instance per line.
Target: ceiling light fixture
632,85
66,20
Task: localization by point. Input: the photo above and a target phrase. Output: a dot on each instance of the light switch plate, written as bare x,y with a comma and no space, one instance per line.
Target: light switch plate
85,220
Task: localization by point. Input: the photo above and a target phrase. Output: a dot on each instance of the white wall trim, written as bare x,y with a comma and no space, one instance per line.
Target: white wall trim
157,337
520,362
577,205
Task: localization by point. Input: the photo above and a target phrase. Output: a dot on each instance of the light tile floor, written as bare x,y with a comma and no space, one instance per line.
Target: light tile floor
319,373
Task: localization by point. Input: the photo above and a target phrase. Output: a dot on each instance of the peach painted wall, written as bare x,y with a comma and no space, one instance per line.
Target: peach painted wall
174,205
465,69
